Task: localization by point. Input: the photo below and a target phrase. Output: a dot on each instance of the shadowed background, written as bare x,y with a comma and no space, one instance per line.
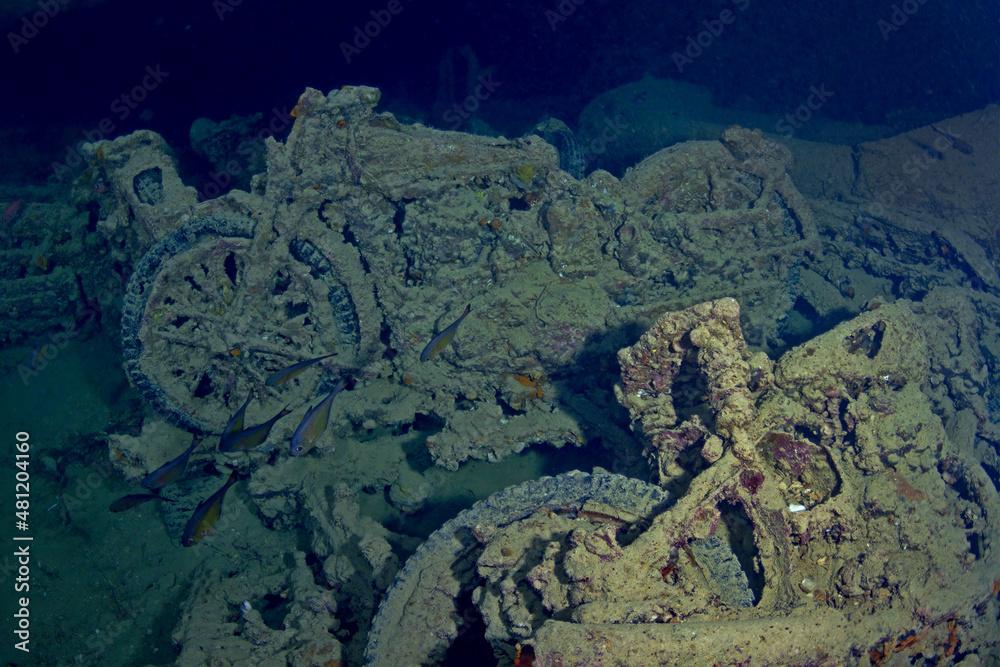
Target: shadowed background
896,63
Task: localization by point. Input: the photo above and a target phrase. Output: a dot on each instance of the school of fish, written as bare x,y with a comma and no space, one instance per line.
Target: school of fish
237,437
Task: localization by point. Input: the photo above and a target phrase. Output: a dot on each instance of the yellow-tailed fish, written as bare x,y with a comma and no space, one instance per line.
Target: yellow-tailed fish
240,441
235,422
170,471
206,514
133,499
313,423
443,339
287,374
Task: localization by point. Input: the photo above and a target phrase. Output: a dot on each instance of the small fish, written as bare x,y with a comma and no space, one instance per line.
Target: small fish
956,143
206,514
444,338
170,471
287,374
932,152
133,499
249,438
36,356
235,423
13,210
91,311
313,423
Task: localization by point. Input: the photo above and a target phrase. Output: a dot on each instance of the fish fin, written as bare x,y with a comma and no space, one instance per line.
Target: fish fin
196,440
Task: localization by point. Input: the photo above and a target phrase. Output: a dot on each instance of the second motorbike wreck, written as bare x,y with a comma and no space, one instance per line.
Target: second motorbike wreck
811,525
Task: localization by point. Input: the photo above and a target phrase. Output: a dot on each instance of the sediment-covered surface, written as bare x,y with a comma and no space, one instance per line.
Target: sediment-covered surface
366,236
805,374
425,601
821,496
830,481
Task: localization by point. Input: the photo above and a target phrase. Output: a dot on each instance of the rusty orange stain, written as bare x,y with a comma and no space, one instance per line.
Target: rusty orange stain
906,490
910,640
533,383
952,638
524,656
879,654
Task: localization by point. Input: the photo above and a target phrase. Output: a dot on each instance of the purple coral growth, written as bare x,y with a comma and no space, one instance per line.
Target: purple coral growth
751,480
796,454
678,439
659,380
566,340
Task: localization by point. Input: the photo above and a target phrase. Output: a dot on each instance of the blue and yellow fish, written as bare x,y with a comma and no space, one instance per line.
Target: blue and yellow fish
279,378
444,338
313,423
241,441
170,471
235,422
206,514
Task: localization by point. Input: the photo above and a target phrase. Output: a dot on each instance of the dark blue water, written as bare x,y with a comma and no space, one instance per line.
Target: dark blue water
888,62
